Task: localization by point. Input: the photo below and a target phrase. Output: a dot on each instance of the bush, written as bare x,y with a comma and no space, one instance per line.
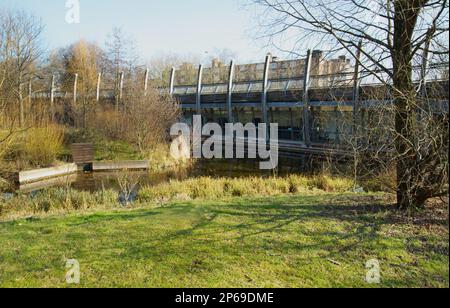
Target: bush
4,185
386,182
42,145
7,141
148,118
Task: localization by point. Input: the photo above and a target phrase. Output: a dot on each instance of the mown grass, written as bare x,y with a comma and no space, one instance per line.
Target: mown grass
321,240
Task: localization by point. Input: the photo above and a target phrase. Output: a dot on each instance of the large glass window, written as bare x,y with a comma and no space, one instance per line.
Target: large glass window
245,115
345,124
208,116
236,115
283,117
290,123
297,116
324,125
187,116
249,115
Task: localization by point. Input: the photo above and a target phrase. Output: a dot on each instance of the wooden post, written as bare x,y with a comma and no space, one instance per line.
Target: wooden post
30,91
52,99
121,86
230,92
356,87
146,81
118,97
199,90
99,81
172,81
75,86
306,108
21,106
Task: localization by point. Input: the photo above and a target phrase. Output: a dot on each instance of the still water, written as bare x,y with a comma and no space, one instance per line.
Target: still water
213,168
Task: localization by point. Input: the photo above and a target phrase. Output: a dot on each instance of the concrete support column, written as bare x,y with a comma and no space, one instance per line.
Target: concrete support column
356,87
424,69
199,90
230,92
172,81
264,109
146,81
122,75
99,81
30,93
52,98
306,109
75,87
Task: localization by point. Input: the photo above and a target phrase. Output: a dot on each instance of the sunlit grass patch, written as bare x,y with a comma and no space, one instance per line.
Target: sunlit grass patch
322,240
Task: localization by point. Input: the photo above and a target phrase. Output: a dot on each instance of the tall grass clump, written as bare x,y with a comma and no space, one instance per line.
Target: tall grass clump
42,145
161,159
67,200
55,201
330,184
7,140
214,188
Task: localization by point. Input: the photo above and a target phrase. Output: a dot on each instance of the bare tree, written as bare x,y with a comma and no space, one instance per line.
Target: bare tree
396,35
19,52
147,119
4,60
118,58
82,60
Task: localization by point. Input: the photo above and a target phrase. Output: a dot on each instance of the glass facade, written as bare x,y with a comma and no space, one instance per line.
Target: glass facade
324,126
248,115
328,124
187,116
290,122
218,116
345,123
331,125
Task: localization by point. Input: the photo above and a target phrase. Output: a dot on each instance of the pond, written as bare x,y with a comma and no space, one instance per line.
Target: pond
213,168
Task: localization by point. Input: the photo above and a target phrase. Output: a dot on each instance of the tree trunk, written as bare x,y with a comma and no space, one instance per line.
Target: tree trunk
406,16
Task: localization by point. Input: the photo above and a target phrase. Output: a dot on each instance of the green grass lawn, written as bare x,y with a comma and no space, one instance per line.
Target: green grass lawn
286,241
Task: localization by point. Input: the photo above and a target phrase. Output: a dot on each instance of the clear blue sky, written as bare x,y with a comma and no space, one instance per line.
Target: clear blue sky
157,26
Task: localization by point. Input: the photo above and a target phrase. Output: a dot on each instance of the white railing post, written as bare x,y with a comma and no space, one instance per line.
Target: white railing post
75,85
230,92
172,81
99,80
306,108
199,90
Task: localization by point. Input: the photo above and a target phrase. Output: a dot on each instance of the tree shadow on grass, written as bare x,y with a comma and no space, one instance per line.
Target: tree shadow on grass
84,219
271,219
118,216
